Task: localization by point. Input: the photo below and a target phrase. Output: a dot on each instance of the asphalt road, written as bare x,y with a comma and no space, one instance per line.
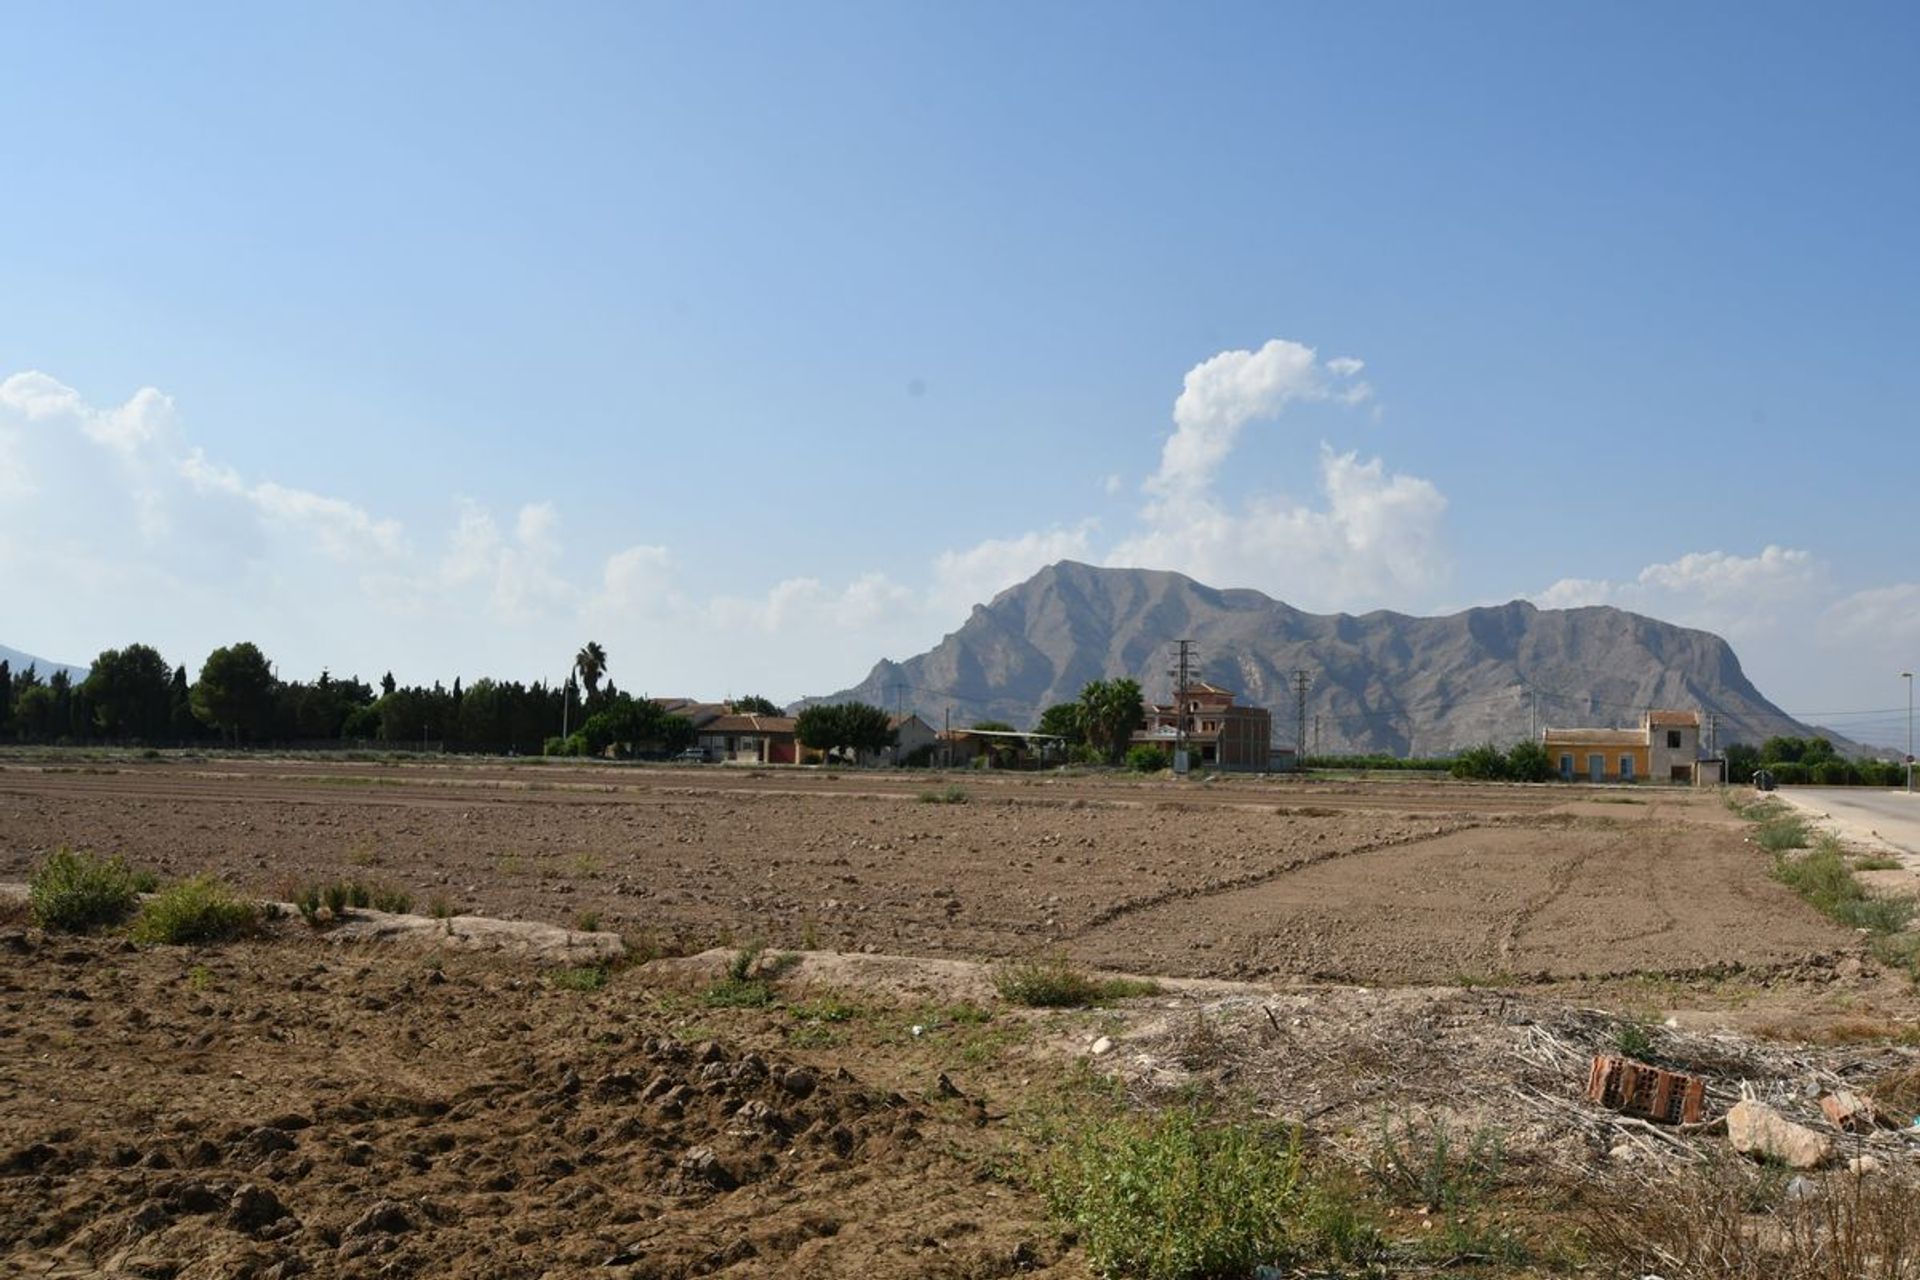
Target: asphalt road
1892,816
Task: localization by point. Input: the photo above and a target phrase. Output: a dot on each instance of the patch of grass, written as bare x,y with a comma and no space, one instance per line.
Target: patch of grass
947,795
1178,1197
1782,831
1877,862
731,993
441,907
587,922
828,1008
1824,879
78,892
195,911
586,978
200,978
1055,982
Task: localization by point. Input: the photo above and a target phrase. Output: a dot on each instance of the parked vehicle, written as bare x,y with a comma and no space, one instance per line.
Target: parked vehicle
692,755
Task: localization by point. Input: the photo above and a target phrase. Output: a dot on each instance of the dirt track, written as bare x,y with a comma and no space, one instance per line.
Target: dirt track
1374,882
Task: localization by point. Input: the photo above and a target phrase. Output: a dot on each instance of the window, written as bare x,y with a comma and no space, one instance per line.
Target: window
1626,768
1673,739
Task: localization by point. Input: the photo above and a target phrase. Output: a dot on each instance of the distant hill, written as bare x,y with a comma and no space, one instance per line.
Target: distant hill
1380,681
18,661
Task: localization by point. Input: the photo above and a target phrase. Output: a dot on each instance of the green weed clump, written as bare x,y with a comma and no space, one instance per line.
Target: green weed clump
322,904
1175,1197
77,892
1425,1164
1824,879
194,911
950,795
1055,982
1782,831
587,978
748,984
1632,1039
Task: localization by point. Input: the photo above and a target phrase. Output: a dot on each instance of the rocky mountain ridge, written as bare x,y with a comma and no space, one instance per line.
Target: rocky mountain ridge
1379,681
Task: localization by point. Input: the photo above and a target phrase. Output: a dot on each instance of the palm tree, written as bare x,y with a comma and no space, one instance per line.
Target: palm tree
1110,711
591,663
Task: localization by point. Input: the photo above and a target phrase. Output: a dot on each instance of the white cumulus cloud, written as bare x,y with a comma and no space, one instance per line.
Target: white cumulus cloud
1223,393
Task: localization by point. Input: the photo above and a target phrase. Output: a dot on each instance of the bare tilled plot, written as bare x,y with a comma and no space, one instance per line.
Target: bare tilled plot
1487,904
283,1108
1393,882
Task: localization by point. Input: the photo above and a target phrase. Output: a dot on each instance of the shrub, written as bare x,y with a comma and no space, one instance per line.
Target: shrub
1146,758
76,892
193,911
1484,762
951,795
1529,762
1174,1197
1833,773
1055,982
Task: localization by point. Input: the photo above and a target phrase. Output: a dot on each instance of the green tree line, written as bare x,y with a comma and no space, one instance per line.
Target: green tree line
133,696
1810,760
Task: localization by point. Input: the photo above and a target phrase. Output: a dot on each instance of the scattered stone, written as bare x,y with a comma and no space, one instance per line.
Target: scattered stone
254,1207
1101,1046
387,1217
1861,1166
798,1081
700,1164
193,1196
1755,1129
946,1088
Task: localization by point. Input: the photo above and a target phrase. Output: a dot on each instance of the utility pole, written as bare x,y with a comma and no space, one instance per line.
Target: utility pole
1182,674
1908,677
1316,733
1713,735
1301,680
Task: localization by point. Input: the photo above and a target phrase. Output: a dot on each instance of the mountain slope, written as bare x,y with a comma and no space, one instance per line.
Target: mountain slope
1380,681
18,662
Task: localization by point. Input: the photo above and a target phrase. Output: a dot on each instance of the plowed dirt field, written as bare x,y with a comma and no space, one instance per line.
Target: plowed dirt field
1371,882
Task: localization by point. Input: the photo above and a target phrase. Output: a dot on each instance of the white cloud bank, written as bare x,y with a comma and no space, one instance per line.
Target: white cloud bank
126,530
115,527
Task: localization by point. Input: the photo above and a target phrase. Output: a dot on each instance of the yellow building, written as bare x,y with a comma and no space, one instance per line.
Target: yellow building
1663,749
1598,755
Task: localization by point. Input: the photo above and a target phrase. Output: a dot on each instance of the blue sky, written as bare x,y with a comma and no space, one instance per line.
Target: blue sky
759,341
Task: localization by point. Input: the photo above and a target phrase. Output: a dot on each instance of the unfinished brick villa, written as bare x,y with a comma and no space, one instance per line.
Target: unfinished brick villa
1220,733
